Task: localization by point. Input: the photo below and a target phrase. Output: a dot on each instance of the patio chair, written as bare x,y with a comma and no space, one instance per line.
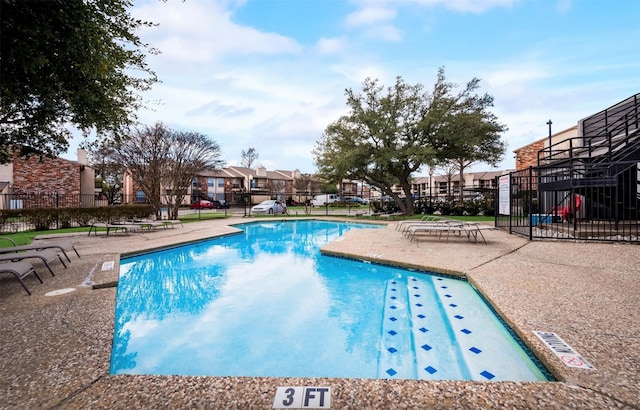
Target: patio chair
62,246
171,223
45,255
472,230
447,227
109,227
20,270
402,226
146,223
390,215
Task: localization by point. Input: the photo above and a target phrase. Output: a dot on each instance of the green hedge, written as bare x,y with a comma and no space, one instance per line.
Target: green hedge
43,219
471,207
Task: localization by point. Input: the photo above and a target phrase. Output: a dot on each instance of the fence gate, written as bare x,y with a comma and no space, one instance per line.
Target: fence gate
567,203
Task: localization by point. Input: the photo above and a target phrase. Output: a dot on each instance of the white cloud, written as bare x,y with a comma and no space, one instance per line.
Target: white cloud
330,45
197,32
385,32
369,16
472,6
252,87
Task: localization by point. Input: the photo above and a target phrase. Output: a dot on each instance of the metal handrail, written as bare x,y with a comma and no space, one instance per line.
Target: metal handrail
620,127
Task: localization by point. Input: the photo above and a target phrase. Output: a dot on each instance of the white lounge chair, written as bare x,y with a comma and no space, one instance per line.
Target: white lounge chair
473,231
110,227
435,227
171,223
402,226
390,215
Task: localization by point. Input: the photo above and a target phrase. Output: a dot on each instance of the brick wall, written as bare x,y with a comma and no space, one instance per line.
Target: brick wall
46,175
527,156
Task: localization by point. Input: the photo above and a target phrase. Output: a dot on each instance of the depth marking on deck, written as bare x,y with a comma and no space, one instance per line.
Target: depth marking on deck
296,397
108,265
561,349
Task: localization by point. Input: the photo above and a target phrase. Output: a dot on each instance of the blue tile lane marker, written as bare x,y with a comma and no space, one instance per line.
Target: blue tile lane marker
487,374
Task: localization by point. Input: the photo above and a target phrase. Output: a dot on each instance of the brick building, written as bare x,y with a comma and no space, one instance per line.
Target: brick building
27,181
527,156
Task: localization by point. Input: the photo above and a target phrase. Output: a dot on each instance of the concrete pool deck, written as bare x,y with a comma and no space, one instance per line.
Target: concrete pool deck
56,349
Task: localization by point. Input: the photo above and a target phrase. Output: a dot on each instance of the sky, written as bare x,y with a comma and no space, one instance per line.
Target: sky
272,74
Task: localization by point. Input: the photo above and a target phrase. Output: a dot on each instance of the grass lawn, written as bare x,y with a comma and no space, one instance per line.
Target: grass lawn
25,238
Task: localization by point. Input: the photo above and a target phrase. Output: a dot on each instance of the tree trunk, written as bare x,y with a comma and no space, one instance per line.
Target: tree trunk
408,199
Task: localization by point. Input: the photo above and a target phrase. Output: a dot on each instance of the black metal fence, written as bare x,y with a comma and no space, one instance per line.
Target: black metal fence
41,211
599,202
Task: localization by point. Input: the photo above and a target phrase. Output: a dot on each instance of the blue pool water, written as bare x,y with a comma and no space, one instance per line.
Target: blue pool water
267,303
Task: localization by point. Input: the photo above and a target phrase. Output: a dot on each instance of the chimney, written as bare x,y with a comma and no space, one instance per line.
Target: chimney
82,157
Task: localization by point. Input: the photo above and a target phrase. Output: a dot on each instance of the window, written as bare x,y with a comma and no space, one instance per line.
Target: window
140,197
194,182
220,182
210,182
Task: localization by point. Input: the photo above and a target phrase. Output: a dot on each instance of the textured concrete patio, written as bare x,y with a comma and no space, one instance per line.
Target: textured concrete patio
56,349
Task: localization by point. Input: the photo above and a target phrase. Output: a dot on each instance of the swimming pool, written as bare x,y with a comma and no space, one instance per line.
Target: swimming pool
267,303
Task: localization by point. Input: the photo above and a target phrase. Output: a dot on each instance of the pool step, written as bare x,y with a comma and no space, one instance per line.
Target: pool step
436,356
416,343
475,330
411,323
396,360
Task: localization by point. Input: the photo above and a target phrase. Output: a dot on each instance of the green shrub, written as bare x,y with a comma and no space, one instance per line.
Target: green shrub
472,207
65,218
446,208
40,218
384,206
488,207
43,219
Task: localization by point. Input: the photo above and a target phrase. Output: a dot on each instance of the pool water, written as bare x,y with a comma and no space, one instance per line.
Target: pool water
267,303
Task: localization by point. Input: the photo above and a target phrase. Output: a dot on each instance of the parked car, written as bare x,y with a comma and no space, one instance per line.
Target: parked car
356,200
221,204
269,206
202,204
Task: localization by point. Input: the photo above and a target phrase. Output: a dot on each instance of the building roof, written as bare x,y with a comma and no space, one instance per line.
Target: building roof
477,176
545,139
246,172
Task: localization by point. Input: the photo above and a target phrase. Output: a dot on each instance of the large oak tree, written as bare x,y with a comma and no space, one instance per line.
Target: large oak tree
68,63
390,134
